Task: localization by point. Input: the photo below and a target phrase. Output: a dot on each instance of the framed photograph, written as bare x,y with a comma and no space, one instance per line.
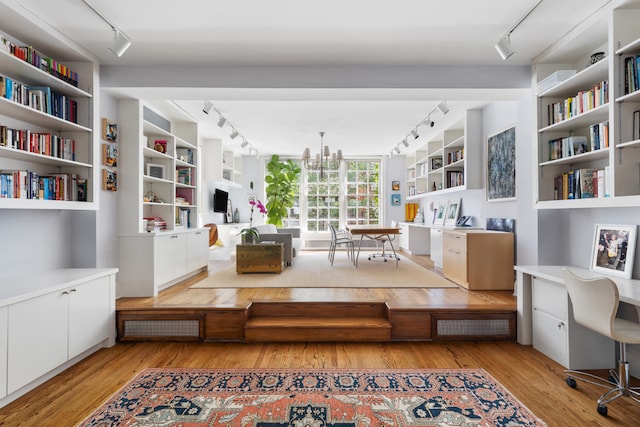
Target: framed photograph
395,185
613,249
109,180
453,210
156,171
501,165
110,155
109,130
438,218
395,200
436,163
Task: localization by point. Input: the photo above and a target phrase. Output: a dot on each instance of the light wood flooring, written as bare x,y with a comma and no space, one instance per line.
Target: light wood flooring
534,379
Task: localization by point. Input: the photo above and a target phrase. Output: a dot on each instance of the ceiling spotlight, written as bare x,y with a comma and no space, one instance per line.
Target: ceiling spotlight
120,43
404,141
244,143
397,150
414,133
442,107
391,153
504,47
221,121
208,105
234,134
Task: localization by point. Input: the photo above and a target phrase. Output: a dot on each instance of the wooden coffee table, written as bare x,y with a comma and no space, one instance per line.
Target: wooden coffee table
259,257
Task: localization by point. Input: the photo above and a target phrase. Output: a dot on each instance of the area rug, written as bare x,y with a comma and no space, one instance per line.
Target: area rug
312,397
312,269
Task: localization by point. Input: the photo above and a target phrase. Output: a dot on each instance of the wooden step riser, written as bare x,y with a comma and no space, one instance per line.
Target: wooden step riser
292,334
312,309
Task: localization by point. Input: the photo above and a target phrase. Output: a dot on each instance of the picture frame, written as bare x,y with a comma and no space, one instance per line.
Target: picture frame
156,171
109,180
395,185
436,163
109,130
110,155
451,215
439,215
501,165
395,199
613,249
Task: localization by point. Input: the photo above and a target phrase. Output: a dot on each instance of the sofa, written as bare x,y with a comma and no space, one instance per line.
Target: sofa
289,236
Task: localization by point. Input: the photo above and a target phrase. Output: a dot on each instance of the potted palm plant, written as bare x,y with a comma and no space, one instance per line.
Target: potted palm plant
281,179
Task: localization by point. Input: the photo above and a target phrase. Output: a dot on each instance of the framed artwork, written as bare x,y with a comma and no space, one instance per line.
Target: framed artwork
109,180
395,185
436,163
395,200
613,249
501,165
453,210
110,155
156,171
438,218
109,130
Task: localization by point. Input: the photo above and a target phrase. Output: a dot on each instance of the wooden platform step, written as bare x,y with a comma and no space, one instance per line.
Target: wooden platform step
317,321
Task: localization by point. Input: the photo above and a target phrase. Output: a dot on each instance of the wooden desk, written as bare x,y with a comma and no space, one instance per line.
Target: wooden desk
373,232
259,258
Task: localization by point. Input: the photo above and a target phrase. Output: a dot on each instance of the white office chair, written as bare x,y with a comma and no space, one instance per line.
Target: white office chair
381,248
595,304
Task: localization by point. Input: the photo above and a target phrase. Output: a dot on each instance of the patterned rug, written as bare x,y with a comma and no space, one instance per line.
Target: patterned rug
313,398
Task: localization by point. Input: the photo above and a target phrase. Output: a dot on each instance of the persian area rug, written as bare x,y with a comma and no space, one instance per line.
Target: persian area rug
312,269
313,397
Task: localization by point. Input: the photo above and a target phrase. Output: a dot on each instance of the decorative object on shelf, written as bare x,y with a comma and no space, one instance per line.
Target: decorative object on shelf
595,57
109,180
395,199
249,235
395,185
156,171
410,211
436,163
438,218
255,203
613,249
281,181
109,130
319,163
160,145
419,218
236,216
110,155
453,210
501,165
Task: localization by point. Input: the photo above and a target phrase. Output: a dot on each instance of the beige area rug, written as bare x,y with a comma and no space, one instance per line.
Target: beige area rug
311,269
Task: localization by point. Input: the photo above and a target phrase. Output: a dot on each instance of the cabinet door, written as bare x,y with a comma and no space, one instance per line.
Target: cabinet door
179,248
436,247
454,266
550,336
37,338
197,248
163,259
404,237
3,351
88,315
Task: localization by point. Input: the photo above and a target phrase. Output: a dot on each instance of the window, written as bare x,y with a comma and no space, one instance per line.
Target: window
346,194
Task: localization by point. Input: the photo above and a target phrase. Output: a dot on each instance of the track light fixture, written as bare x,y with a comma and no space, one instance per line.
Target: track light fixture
414,133
221,121
244,143
234,134
405,143
397,149
121,42
442,107
503,46
207,107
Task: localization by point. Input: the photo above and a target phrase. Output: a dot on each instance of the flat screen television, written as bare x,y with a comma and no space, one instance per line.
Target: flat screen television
220,198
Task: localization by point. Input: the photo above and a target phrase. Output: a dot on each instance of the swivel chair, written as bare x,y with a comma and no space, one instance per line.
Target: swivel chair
595,304
341,238
381,246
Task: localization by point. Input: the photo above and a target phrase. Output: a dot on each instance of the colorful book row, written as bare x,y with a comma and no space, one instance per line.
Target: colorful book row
40,98
579,104
38,142
24,184
582,184
569,146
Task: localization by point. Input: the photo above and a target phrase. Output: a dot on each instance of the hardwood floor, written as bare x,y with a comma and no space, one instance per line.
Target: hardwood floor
534,379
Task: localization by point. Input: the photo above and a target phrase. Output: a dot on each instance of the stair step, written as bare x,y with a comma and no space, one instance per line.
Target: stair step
317,322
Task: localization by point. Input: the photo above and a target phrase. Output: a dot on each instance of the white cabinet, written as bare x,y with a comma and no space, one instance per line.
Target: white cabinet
436,246
221,165
449,161
48,321
150,262
62,146
556,334
415,238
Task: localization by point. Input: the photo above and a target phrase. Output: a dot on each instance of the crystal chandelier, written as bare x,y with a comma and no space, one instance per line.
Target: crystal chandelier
322,159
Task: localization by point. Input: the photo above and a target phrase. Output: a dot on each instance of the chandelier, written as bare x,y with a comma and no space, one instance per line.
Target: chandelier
322,159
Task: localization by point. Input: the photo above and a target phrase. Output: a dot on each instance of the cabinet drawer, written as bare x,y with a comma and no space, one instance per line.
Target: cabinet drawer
550,337
457,241
454,266
549,298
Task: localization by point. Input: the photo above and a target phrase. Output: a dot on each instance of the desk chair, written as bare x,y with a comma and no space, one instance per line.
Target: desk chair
595,304
341,238
381,241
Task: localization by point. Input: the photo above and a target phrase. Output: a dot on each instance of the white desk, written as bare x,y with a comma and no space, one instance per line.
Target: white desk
556,334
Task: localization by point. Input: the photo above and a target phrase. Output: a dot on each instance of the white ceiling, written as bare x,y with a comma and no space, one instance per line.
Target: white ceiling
280,33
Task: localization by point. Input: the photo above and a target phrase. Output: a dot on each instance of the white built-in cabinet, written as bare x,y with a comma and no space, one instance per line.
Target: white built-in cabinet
50,320
159,179
450,161
221,165
573,107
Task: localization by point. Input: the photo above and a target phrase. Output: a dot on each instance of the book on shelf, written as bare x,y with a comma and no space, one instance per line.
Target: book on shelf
599,136
631,74
636,126
584,101
580,184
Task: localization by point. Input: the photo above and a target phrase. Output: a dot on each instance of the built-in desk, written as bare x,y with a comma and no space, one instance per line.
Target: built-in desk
415,238
545,317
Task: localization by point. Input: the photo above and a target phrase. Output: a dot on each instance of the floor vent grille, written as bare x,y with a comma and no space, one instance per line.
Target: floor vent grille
474,326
